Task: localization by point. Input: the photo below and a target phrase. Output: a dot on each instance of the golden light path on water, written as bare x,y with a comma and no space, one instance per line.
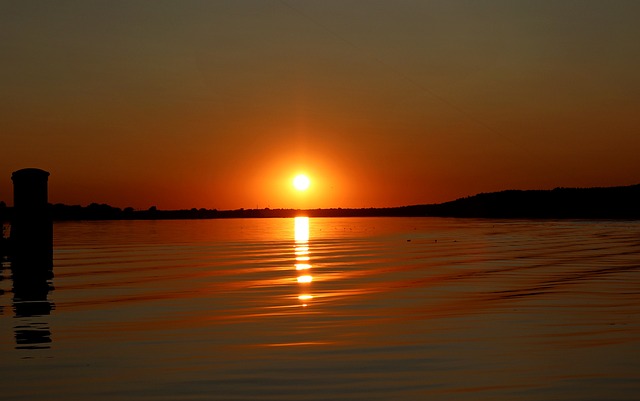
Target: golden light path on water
396,309
302,265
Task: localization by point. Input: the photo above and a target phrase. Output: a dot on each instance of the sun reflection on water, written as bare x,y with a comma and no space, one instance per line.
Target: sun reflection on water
302,265
302,233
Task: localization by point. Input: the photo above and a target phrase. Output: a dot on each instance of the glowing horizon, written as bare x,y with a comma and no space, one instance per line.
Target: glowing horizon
130,119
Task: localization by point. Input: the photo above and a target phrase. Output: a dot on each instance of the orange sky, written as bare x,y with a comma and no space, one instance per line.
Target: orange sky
219,104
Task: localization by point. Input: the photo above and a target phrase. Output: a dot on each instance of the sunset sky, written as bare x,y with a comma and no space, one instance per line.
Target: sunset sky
219,104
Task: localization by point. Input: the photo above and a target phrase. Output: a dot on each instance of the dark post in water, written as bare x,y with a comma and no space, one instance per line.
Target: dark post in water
31,226
31,257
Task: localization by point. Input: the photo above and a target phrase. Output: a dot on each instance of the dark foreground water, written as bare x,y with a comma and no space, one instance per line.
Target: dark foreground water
330,309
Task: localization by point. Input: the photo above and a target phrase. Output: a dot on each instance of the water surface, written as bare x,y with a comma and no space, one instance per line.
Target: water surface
334,308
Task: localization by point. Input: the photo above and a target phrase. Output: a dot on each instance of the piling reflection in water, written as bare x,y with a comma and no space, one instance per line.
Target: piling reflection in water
303,265
32,280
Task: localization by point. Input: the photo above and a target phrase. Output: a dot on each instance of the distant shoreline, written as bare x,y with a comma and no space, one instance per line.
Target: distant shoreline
621,202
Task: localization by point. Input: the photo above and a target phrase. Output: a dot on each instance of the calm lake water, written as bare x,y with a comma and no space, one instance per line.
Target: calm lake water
330,309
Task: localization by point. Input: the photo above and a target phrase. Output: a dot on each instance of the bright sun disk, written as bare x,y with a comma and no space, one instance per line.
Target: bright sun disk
301,182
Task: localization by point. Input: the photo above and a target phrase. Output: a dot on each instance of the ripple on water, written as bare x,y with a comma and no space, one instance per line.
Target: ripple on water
377,308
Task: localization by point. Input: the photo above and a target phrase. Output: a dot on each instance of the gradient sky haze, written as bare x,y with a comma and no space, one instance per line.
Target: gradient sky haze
219,104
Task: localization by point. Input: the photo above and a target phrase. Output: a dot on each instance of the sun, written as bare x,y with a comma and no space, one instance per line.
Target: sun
301,182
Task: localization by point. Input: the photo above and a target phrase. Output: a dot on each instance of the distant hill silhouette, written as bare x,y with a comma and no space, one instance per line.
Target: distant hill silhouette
599,203
560,203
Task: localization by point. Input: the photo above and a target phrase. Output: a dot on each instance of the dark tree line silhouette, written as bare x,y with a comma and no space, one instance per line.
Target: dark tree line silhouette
587,203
